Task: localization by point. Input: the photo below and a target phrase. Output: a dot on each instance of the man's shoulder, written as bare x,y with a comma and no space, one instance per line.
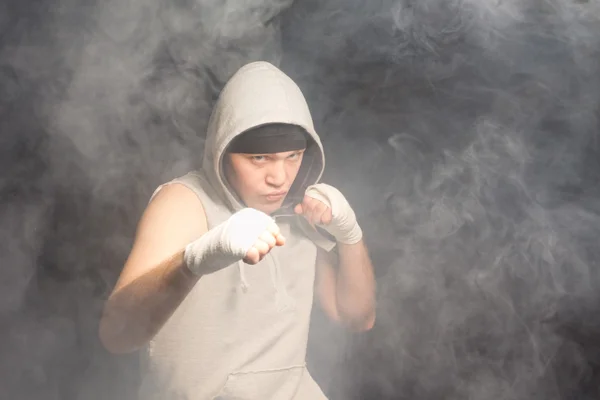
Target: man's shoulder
194,187
174,210
192,181
176,194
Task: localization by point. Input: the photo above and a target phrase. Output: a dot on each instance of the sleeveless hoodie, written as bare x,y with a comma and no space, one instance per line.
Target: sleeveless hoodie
242,332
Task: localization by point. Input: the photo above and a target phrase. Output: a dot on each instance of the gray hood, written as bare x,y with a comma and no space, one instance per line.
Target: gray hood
258,94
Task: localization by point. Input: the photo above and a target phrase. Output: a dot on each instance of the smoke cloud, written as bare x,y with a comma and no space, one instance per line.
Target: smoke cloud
465,134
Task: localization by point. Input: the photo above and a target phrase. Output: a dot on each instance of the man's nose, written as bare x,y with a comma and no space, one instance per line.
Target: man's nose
276,175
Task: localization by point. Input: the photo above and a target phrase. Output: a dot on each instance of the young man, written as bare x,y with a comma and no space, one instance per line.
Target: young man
218,288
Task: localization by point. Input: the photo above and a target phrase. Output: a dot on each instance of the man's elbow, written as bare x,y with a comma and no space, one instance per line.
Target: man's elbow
109,341
368,323
364,324
113,341
359,322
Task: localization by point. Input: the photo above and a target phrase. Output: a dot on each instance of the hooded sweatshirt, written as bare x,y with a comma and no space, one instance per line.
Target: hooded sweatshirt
242,331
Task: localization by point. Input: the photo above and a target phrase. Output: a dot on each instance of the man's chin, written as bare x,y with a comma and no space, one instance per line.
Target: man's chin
269,208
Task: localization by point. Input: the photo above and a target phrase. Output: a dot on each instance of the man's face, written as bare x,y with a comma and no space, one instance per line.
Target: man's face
263,180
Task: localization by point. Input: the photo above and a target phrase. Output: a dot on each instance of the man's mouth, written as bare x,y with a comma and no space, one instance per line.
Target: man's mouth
275,196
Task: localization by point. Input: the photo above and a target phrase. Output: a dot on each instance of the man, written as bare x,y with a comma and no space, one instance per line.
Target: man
219,285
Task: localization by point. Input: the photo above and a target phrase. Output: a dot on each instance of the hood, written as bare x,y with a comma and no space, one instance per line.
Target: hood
259,94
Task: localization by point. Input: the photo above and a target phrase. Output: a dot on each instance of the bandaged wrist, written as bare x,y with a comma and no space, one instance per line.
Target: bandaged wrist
344,226
352,236
227,242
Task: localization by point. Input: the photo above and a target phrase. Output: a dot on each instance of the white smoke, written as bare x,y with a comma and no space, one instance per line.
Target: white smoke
465,134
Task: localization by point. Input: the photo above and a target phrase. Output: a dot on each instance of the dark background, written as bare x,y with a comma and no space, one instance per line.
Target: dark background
464,133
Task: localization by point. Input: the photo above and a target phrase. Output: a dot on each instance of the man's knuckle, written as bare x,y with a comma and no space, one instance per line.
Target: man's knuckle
273,228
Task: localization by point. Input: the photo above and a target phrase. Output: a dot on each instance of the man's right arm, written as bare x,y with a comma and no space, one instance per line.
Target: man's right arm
155,279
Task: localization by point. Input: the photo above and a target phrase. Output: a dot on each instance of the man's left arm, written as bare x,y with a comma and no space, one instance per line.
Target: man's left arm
345,285
345,282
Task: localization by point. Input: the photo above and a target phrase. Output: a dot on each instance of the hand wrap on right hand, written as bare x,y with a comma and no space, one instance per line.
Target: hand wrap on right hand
344,226
227,242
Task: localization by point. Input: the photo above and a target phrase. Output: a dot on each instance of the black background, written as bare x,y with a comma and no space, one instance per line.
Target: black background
464,133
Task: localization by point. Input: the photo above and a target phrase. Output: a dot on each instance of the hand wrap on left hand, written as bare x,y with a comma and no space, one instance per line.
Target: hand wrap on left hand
343,225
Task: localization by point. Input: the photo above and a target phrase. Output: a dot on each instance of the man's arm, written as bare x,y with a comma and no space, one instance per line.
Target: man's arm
346,285
154,280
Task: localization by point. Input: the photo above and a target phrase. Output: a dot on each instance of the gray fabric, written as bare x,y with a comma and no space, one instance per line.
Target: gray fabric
242,331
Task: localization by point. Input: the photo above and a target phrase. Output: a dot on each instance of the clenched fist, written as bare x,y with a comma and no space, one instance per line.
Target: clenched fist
315,211
270,238
326,206
247,235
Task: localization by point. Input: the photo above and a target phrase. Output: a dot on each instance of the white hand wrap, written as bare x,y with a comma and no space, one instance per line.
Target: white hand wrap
343,226
227,242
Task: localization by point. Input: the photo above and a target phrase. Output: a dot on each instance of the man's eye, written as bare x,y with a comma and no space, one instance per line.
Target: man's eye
294,156
258,158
